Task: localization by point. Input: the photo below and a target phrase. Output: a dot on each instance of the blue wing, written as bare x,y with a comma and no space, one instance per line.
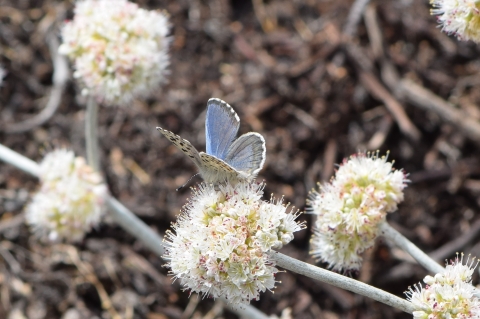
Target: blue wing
221,127
247,153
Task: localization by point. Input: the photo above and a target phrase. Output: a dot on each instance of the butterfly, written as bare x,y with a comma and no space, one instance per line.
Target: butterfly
226,158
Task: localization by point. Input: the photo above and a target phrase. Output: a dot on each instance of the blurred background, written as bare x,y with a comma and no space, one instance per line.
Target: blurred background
318,85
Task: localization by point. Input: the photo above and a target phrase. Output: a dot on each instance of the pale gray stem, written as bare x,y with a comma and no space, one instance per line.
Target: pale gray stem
249,312
399,240
13,158
136,227
340,281
91,134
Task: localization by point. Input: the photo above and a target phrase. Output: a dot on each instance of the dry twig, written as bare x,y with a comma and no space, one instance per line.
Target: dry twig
356,12
450,248
60,77
87,271
329,159
374,31
427,100
373,85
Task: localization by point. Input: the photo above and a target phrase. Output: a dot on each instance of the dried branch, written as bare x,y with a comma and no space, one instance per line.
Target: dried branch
60,78
427,100
354,16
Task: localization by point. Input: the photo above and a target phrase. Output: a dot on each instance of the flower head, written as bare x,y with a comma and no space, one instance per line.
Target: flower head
351,207
222,239
459,17
119,50
70,199
449,294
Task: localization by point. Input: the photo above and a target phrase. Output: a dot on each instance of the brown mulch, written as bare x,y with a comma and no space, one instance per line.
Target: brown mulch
315,95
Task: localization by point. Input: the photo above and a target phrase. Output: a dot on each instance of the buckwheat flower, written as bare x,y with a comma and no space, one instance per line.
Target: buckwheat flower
70,200
351,207
458,17
449,294
119,50
221,241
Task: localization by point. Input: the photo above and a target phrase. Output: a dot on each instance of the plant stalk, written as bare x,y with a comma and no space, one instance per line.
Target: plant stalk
19,161
398,239
340,281
91,134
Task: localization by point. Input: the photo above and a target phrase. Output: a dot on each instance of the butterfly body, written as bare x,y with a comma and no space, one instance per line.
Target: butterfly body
226,158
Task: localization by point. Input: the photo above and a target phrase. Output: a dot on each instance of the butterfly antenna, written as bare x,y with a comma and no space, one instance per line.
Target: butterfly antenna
186,182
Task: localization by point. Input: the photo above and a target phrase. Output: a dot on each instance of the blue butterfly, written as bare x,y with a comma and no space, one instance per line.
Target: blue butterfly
227,158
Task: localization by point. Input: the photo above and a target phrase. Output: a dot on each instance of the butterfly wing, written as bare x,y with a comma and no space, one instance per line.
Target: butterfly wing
225,158
215,170
221,127
185,146
247,153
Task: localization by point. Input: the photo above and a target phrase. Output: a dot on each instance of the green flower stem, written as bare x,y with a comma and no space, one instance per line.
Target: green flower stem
340,281
398,239
91,134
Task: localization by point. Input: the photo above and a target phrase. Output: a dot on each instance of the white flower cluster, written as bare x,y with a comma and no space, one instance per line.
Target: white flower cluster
459,17
119,50
449,294
222,239
350,209
70,199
